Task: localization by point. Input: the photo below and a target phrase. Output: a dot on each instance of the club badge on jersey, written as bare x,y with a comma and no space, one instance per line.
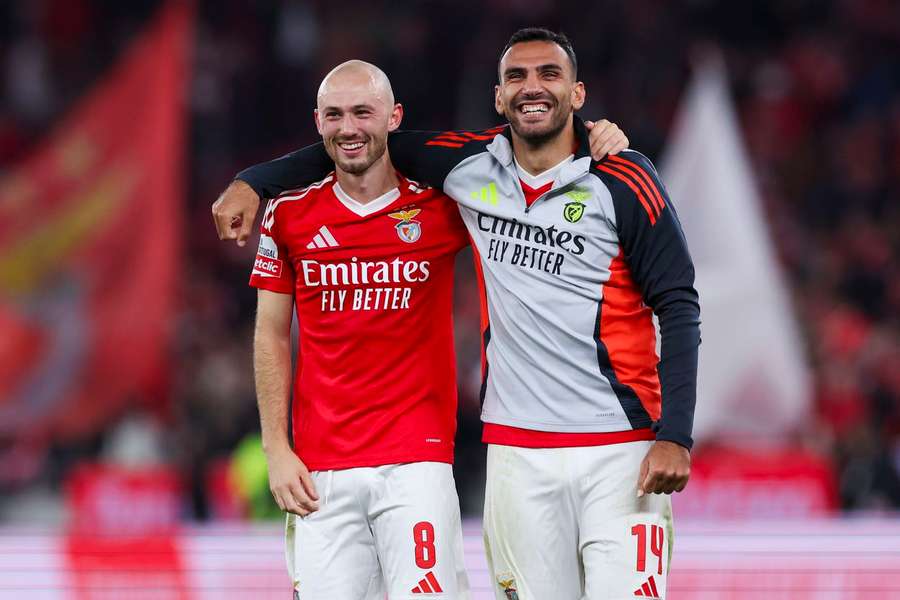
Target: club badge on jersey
507,583
408,229
573,211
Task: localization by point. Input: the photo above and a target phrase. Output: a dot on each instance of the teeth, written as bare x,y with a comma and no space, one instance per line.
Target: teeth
352,146
532,108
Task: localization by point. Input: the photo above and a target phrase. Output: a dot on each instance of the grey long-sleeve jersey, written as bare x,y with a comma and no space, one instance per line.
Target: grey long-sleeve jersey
570,282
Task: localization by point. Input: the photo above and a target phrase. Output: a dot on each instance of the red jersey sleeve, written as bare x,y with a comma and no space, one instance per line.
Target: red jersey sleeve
272,268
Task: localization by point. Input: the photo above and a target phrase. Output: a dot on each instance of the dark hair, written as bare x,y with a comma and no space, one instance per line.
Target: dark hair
541,34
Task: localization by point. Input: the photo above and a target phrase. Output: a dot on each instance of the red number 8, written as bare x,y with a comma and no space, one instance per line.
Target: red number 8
423,536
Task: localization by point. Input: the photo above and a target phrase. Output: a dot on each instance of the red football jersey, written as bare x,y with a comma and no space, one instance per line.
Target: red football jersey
373,289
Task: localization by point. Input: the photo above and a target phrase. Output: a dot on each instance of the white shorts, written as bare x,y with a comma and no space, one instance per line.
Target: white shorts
393,530
566,524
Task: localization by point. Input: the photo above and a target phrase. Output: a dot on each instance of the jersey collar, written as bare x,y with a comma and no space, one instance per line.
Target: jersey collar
368,208
541,179
501,149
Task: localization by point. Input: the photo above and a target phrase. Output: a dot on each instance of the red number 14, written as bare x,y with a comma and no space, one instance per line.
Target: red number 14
656,545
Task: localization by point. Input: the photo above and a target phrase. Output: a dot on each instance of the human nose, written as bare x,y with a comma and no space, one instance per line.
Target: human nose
532,84
347,125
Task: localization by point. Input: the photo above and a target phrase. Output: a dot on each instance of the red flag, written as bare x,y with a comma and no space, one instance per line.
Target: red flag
89,239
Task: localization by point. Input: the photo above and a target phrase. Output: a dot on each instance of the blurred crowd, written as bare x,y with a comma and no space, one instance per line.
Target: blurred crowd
817,86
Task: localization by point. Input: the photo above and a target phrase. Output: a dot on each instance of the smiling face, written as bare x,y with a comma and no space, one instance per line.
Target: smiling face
537,92
355,111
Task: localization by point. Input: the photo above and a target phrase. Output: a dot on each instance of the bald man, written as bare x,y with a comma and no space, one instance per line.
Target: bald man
367,257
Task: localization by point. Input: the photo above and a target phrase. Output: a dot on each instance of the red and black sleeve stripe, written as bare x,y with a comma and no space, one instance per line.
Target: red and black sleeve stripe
429,156
656,252
639,181
307,165
458,139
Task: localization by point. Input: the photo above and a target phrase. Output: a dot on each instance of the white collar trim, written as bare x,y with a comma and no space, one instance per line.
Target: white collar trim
541,179
367,208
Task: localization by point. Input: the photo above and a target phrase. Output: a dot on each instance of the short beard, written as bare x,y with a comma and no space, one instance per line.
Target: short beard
358,167
538,139
355,168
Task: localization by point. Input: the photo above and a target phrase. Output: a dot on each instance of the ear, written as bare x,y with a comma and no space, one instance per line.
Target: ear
316,119
396,117
578,95
498,101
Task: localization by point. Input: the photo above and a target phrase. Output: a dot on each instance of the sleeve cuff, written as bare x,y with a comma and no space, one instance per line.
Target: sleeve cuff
681,439
254,185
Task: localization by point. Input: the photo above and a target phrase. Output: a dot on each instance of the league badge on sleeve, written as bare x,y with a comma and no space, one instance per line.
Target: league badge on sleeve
267,263
408,230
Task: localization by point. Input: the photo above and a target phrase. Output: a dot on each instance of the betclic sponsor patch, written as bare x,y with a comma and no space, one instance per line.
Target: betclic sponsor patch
267,263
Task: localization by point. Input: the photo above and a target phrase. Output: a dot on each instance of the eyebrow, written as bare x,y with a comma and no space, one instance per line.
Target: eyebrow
541,68
353,108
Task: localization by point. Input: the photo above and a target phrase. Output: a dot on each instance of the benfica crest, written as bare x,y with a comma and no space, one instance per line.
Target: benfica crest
573,211
508,584
408,230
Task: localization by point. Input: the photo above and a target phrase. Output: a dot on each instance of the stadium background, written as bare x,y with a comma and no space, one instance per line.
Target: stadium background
128,462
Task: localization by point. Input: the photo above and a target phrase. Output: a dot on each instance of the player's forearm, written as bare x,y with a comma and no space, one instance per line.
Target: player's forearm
272,370
409,152
679,324
412,155
298,169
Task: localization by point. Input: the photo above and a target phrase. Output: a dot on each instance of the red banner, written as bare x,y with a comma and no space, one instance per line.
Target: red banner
89,239
733,483
106,499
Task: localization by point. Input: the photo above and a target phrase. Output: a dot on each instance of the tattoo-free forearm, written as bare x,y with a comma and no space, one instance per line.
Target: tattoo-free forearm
272,369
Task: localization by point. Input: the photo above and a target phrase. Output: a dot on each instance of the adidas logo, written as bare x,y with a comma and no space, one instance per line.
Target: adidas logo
648,590
429,585
323,239
486,194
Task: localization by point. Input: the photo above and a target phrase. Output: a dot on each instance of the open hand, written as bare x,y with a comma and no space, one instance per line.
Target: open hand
290,483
